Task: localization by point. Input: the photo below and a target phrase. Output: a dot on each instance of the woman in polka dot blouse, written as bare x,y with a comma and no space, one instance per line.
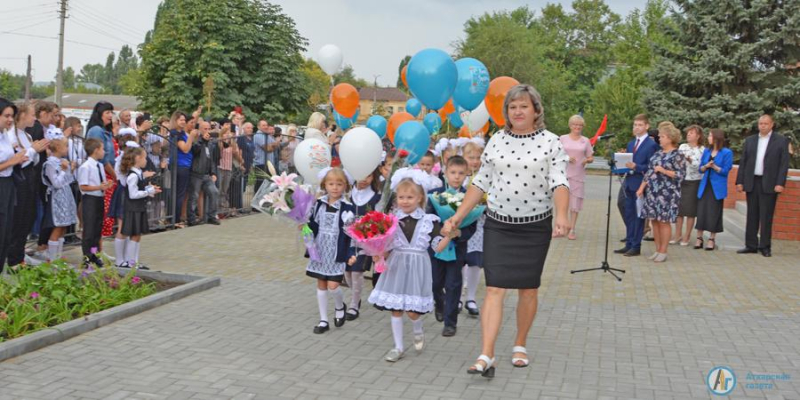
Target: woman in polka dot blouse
523,173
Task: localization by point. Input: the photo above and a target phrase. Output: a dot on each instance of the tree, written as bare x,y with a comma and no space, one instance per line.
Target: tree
91,73
250,49
736,61
403,63
12,86
318,84
347,75
68,78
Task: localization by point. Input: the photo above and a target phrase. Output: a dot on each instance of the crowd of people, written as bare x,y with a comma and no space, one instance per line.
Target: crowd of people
72,184
119,179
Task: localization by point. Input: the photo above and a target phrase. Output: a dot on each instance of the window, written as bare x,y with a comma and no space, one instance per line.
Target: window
401,109
390,109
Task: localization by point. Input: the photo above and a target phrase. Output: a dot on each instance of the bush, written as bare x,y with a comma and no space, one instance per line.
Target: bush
34,298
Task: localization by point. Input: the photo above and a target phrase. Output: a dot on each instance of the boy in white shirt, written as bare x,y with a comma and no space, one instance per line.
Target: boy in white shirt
93,184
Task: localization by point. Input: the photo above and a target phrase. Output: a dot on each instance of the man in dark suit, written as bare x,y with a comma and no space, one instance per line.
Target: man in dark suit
762,175
642,147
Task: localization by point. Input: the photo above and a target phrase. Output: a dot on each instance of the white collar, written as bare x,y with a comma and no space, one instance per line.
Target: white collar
765,137
361,197
416,214
337,204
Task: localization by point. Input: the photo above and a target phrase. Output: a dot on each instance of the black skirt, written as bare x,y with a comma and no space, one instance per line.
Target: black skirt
514,254
709,212
688,206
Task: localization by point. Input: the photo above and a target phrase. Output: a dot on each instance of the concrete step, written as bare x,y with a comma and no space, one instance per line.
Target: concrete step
741,207
734,221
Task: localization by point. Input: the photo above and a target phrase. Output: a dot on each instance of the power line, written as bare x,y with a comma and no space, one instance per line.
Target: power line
114,24
28,26
40,5
28,35
93,29
102,29
90,45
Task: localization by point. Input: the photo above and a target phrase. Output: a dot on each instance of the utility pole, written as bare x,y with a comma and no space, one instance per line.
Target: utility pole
28,81
60,73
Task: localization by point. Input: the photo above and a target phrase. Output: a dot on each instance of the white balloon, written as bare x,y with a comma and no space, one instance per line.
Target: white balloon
330,58
360,151
478,118
310,157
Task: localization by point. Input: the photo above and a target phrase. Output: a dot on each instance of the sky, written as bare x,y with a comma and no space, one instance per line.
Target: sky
374,35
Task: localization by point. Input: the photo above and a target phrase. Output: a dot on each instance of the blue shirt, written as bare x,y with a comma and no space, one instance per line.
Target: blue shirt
97,132
261,139
184,159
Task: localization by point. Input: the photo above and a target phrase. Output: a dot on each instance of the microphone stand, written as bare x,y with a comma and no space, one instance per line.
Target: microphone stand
604,266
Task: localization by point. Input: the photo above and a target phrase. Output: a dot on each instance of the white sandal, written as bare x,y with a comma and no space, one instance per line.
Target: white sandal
516,360
477,368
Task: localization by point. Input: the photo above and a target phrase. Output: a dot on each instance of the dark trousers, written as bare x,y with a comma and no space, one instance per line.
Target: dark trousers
181,185
206,184
259,170
621,205
633,224
92,209
7,197
24,217
760,210
447,283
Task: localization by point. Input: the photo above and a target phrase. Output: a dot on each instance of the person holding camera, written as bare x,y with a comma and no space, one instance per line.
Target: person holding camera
203,176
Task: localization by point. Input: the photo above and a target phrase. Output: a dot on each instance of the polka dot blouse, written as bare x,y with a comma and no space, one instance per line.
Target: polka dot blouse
520,172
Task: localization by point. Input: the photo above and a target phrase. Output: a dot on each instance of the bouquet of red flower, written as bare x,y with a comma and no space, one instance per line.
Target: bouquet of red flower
373,233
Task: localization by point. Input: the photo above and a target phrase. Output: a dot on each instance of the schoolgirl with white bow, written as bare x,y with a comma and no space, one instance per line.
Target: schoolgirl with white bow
407,284
60,209
328,218
137,191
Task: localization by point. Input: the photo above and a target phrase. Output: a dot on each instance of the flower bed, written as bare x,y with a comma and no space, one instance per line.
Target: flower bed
36,298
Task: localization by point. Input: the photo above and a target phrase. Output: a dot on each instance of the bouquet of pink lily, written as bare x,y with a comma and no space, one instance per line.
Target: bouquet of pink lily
283,196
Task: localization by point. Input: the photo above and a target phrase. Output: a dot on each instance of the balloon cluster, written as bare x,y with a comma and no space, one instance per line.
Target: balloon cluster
461,92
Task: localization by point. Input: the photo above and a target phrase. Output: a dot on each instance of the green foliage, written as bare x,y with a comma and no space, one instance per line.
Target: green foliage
115,76
12,86
50,294
318,85
736,60
347,75
249,48
400,85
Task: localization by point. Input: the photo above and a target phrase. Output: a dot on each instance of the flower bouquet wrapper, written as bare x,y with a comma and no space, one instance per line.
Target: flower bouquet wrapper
369,238
445,212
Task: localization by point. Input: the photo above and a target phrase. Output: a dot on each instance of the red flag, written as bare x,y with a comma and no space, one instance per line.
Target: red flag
600,130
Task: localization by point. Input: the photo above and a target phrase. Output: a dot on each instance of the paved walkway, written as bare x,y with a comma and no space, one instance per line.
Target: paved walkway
655,335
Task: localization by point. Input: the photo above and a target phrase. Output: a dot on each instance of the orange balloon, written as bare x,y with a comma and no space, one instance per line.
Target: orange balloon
464,132
485,128
496,95
449,108
395,121
345,99
403,76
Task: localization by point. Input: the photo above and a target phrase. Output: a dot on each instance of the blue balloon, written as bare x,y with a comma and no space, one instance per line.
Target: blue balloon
455,117
378,124
343,122
432,77
473,83
413,107
413,137
433,122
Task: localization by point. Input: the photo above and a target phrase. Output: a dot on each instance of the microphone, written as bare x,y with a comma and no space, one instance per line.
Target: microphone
607,136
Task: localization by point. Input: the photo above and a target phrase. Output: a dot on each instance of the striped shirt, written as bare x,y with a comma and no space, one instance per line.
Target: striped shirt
226,158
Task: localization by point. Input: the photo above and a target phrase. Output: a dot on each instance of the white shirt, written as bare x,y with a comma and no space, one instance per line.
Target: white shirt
91,173
75,151
122,179
692,167
24,142
763,142
362,197
6,152
133,185
519,173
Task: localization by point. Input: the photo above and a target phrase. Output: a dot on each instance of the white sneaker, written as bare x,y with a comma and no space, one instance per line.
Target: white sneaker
32,261
393,355
419,342
40,255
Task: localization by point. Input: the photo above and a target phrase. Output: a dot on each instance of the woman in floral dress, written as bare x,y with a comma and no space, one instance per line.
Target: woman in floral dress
661,188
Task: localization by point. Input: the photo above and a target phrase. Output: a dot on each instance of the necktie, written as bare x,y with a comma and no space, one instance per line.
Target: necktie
636,147
100,173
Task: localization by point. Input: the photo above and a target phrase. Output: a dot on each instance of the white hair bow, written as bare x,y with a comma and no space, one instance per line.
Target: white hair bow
321,175
418,176
131,144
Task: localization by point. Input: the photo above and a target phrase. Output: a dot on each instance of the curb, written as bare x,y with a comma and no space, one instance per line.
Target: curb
59,333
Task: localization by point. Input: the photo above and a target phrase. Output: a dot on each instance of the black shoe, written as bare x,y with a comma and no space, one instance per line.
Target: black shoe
700,245
322,328
473,311
351,316
339,322
649,239
213,221
193,223
439,315
124,265
142,267
622,250
766,252
449,331
632,253
747,250
623,240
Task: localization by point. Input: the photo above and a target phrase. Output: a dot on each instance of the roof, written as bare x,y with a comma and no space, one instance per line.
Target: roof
383,94
88,100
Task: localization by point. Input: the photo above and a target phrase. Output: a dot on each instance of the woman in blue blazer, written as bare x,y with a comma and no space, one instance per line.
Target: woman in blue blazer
715,164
